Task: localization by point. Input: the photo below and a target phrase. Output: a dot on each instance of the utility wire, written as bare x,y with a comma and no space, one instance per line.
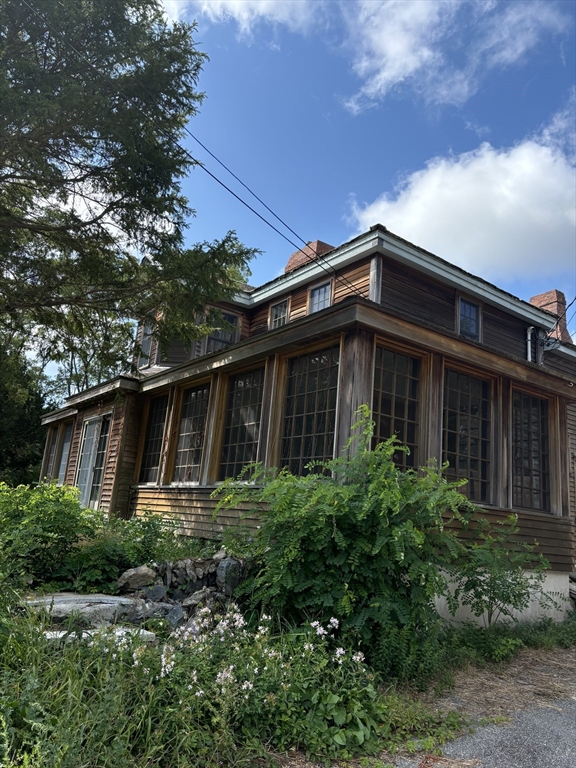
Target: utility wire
319,259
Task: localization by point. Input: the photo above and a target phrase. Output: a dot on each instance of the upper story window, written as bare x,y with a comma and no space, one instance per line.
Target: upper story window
530,452
396,402
150,465
469,320
223,337
145,346
319,297
279,314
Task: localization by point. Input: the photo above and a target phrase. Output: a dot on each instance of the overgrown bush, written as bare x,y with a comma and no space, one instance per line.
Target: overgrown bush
48,539
214,697
356,538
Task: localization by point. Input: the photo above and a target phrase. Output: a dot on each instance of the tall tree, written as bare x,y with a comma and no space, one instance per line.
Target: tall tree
95,96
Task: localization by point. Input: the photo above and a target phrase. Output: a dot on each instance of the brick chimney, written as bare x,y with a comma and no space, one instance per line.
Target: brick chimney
311,251
554,301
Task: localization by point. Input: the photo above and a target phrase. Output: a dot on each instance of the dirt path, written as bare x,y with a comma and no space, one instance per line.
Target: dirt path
535,678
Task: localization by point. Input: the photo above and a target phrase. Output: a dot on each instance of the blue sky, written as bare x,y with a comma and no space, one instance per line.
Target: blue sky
452,123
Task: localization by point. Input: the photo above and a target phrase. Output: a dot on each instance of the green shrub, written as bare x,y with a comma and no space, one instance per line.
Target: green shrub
498,575
356,539
39,526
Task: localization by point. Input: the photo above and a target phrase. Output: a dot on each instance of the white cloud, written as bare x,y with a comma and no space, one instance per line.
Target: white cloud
299,16
499,213
443,49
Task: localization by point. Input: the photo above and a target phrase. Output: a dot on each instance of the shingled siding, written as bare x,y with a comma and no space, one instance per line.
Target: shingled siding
191,508
571,413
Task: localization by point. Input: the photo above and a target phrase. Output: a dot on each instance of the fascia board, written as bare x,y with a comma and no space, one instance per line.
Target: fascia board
341,257
120,383
65,413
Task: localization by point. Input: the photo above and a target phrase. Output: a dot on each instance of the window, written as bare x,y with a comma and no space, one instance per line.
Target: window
396,402
153,440
191,435
530,452
241,422
64,453
319,298
221,337
279,314
93,451
469,320
310,412
58,451
145,346
466,433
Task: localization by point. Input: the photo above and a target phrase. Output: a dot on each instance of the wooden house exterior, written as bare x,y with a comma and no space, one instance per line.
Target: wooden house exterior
459,370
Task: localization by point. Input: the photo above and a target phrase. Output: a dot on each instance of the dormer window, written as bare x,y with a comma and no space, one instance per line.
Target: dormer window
319,297
145,346
469,320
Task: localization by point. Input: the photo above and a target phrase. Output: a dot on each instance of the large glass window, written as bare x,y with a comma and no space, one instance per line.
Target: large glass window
191,434
51,453
241,422
93,451
396,403
320,297
310,412
530,452
145,346
64,453
153,440
466,433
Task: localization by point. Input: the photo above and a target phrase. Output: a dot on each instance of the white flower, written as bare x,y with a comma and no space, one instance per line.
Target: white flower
199,693
358,657
247,686
339,655
334,623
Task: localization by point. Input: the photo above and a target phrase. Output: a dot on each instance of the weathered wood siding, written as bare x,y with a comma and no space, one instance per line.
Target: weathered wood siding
299,304
571,409
556,536
259,320
558,363
504,332
128,451
410,295
192,508
353,279
112,455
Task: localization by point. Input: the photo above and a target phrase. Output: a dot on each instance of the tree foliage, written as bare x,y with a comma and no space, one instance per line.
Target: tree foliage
95,96
22,403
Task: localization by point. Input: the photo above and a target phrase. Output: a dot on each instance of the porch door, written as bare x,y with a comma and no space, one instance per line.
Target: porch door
92,460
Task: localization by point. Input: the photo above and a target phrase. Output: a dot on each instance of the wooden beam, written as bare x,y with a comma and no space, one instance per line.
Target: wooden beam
356,376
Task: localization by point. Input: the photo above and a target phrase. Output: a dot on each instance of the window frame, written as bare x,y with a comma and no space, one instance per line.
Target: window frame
226,344
494,420
554,482
99,419
462,298
56,435
315,287
174,433
286,301
142,443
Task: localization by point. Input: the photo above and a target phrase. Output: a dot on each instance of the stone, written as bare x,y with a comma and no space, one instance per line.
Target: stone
54,635
176,615
220,555
168,576
155,593
199,573
228,575
136,578
199,597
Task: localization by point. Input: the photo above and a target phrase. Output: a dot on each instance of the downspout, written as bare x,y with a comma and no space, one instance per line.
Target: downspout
529,343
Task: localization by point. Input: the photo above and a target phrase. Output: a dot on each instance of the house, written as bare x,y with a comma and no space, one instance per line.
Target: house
460,370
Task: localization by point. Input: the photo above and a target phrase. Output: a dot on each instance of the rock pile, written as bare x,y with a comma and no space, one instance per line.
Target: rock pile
170,591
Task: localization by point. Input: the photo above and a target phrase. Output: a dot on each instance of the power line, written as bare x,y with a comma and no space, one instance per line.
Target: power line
329,269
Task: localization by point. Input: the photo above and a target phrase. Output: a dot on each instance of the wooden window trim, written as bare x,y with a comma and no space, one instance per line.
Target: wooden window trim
99,418
141,441
314,286
287,301
173,433
460,297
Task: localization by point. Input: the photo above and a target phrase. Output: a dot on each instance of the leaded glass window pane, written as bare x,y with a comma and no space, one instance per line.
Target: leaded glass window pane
191,434
153,440
396,402
310,412
530,452
466,438
242,422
